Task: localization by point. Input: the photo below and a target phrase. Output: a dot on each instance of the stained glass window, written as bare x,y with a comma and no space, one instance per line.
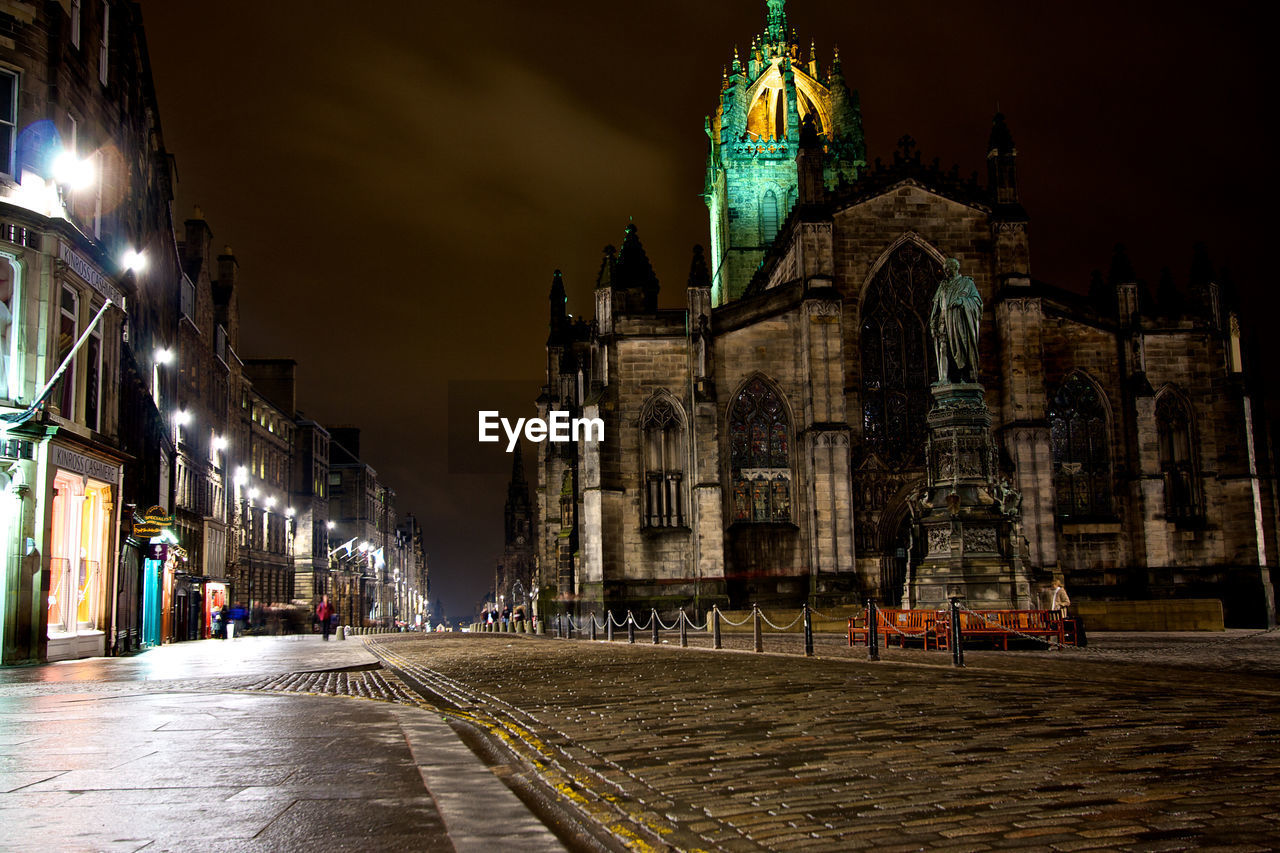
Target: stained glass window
662,427
896,370
1081,451
760,455
1182,494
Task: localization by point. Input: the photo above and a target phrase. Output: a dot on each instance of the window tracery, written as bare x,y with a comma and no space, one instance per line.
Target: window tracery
895,366
760,455
662,427
1080,448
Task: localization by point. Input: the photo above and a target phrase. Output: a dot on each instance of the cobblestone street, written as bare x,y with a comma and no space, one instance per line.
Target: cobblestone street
1138,744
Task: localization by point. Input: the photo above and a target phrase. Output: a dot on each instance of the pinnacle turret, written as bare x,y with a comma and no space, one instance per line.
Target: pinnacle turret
699,276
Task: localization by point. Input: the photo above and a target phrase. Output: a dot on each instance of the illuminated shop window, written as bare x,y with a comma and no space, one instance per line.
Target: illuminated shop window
80,527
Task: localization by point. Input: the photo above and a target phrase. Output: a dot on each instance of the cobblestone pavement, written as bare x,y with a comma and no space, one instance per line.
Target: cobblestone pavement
1145,747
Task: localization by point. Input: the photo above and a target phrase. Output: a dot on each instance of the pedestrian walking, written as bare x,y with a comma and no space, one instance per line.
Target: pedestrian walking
324,612
1059,601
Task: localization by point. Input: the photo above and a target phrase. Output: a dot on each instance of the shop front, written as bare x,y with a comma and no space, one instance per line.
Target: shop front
80,537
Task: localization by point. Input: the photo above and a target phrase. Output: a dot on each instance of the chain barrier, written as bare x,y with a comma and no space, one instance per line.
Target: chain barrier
729,621
645,626
788,627
663,625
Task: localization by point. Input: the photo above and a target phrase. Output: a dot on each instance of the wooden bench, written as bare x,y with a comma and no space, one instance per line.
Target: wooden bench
1000,626
896,627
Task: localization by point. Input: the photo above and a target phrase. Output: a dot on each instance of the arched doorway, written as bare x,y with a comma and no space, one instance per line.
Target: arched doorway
902,545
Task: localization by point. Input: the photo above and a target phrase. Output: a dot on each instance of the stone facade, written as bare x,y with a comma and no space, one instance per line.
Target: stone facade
766,443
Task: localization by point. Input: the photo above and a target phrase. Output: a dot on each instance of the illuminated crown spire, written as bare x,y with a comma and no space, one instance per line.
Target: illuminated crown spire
777,29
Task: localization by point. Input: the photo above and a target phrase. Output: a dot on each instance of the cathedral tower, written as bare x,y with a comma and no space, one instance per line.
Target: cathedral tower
755,134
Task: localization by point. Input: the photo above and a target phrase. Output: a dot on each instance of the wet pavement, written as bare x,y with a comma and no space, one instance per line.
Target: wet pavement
217,745
1141,742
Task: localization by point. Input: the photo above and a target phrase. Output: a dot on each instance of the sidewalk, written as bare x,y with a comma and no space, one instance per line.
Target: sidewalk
172,750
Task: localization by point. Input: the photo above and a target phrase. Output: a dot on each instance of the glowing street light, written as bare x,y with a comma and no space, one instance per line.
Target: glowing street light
253,494
182,418
134,261
330,525
220,444
242,476
72,172
270,502
163,356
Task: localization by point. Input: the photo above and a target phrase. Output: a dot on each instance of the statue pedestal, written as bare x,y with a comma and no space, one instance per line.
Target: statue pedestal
971,523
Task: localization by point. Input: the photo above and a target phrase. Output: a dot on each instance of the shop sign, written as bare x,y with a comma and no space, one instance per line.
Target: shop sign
153,521
87,271
69,460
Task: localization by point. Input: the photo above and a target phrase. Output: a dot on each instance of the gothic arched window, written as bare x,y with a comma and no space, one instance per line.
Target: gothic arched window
768,217
1081,451
760,455
1182,497
662,429
896,370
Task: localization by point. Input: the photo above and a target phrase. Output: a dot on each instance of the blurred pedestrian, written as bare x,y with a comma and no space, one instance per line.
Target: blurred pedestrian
324,612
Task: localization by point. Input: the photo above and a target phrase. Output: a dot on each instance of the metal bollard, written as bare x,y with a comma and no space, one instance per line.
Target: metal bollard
684,631
653,614
957,635
755,627
559,627
715,626
593,626
568,618
808,631
631,628
608,625
873,631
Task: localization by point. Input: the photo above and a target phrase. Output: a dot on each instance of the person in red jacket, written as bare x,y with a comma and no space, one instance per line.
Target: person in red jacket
324,612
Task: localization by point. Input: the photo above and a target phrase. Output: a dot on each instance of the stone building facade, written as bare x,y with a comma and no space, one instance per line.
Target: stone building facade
766,442
514,581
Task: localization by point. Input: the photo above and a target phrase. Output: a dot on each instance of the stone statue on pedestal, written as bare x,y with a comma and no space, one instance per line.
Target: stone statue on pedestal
953,325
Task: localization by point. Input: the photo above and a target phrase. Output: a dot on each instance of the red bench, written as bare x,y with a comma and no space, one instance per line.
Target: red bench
1000,626
896,627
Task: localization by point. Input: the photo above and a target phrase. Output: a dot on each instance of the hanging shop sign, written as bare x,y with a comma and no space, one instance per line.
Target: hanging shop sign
152,523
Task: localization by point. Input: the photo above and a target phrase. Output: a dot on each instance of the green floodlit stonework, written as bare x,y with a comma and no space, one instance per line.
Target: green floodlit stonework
751,165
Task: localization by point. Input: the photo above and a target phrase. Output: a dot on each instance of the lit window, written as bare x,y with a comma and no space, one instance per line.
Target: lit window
75,23
8,119
65,392
93,378
103,45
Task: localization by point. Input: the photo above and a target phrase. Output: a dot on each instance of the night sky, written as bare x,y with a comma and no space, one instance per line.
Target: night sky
400,179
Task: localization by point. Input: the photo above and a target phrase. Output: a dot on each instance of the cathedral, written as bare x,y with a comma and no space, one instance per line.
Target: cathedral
766,443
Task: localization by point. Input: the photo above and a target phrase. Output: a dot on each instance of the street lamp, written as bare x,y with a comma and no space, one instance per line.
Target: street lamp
72,172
